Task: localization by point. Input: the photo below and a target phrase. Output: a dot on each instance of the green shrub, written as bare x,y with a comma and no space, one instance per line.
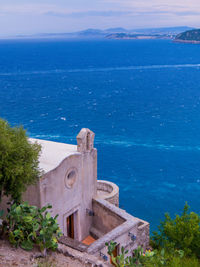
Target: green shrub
172,258
18,161
182,233
1,214
28,225
177,244
122,259
155,258
45,262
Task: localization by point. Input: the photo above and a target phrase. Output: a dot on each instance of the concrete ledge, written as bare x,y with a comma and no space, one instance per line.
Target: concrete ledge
72,243
108,191
86,259
127,223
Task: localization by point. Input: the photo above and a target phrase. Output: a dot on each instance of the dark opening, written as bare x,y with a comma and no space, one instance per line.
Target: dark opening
88,141
70,226
115,254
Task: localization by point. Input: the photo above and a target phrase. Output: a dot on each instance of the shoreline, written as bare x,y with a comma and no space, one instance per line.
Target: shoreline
186,41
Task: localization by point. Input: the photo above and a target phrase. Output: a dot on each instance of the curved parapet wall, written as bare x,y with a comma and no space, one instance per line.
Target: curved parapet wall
108,191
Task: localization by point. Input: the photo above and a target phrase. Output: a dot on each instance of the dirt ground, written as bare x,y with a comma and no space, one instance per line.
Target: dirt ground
11,256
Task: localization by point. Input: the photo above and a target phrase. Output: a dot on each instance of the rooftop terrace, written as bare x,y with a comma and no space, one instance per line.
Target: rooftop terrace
53,153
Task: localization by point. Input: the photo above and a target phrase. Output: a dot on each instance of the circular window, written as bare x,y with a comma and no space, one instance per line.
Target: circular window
70,178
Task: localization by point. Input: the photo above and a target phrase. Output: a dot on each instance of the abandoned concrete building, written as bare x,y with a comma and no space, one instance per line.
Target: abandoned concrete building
89,213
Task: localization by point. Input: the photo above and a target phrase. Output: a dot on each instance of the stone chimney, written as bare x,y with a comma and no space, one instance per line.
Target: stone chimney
85,140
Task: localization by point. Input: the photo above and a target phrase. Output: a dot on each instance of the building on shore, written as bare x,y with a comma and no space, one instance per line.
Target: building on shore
88,208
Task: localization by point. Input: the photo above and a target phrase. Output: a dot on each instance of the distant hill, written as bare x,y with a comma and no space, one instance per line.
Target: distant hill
138,36
98,33
171,31
192,36
91,32
165,30
116,30
149,33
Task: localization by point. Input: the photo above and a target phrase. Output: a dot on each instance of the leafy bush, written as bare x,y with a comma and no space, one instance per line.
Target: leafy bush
1,214
45,262
18,161
122,259
155,258
169,258
177,245
28,225
182,233
162,258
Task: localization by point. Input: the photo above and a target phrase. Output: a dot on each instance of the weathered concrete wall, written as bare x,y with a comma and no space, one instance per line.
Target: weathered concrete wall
105,219
84,258
32,196
69,185
89,187
74,196
54,189
143,234
108,191
121,234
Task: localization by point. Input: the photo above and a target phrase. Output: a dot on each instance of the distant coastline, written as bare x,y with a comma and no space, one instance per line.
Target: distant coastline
111,33
123,36
191,36
186,41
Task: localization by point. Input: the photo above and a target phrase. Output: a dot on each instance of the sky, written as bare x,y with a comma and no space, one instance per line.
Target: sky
54,16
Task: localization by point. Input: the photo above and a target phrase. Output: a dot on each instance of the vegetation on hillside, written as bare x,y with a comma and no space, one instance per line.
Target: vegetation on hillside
24,225
27,226
155,258
176,244
18,161
181,233
192,35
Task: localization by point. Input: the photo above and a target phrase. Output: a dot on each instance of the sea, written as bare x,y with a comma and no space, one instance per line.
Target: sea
140,97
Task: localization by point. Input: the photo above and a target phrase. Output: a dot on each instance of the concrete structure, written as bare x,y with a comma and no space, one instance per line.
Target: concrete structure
108,191
86,207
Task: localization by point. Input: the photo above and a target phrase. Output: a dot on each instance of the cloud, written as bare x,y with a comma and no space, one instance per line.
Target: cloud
91,13
109,8
157,5
33,16
24,9
31,8
110,13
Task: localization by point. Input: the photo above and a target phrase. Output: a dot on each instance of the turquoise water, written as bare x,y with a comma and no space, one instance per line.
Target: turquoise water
141,98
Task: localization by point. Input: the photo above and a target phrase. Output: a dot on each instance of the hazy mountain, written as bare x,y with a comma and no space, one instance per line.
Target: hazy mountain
165,30
192,36
94,33
116,30
98,33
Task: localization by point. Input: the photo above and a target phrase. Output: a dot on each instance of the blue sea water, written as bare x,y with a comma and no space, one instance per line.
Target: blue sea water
140,97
